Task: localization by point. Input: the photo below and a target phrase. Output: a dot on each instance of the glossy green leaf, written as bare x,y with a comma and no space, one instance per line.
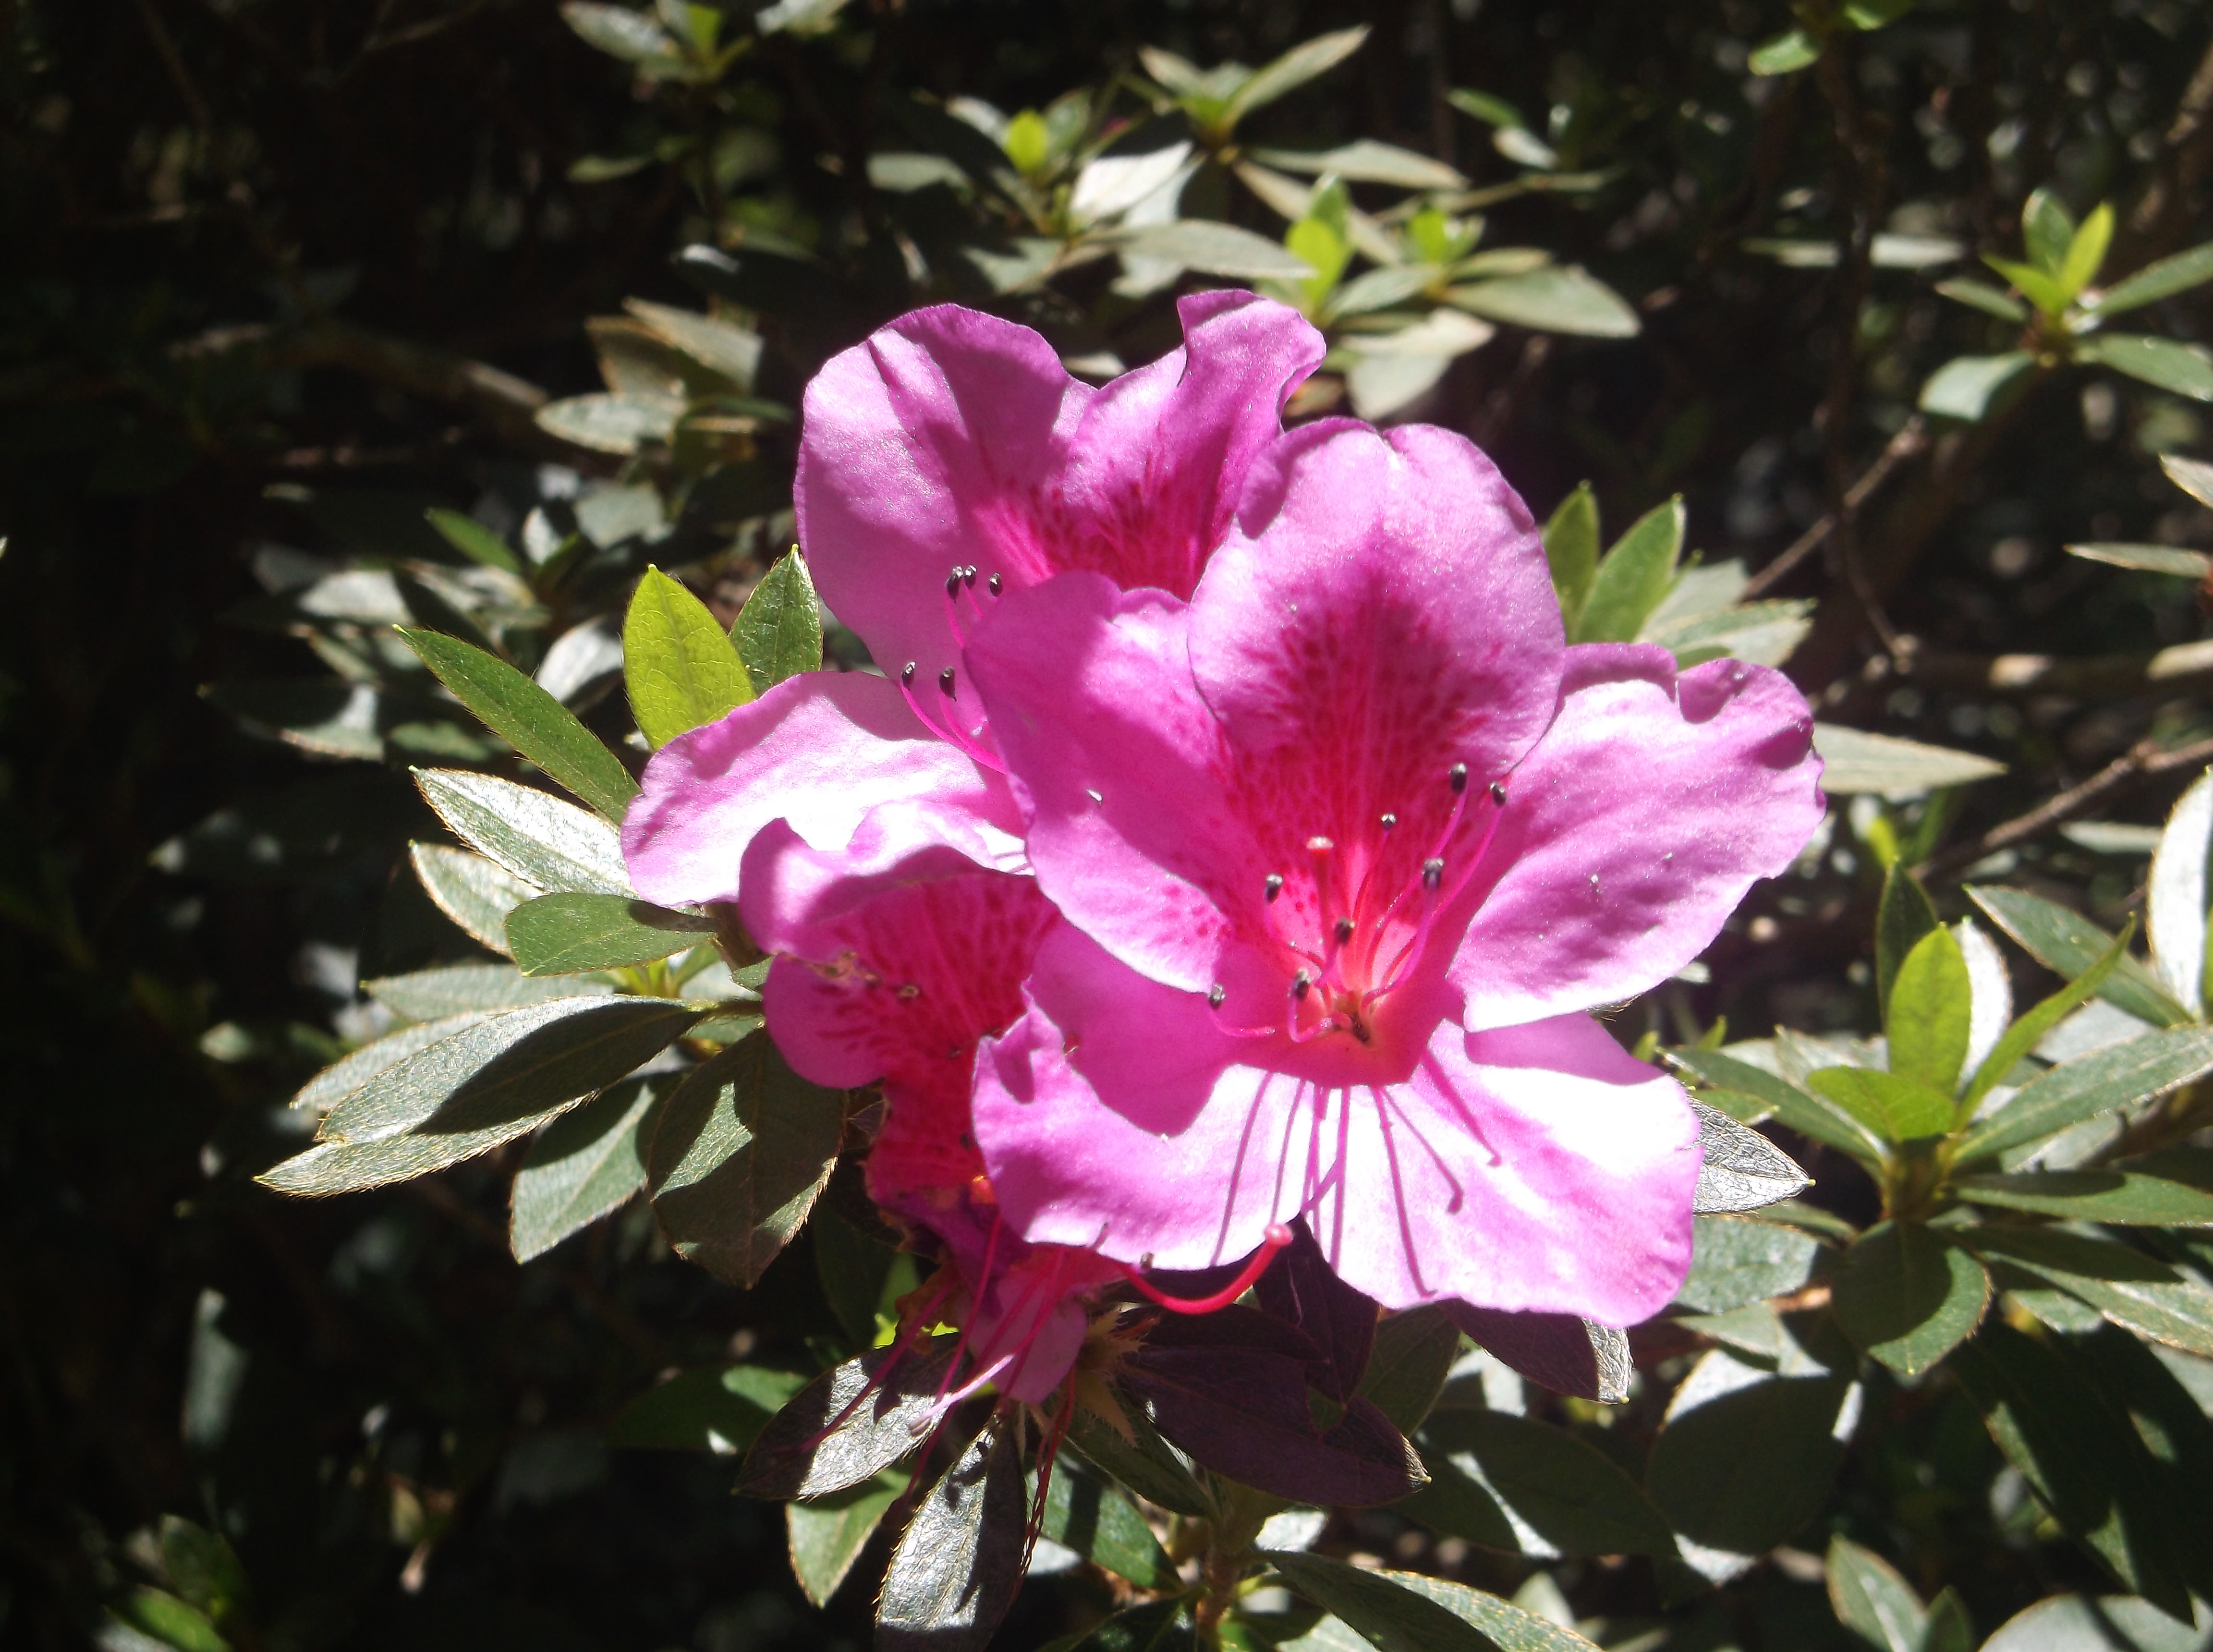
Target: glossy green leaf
1634,577
2127,1195
1559,298
2029,1031
1810,1115
2066,943
529,719
342,1078
779,630
1508,1627
474,541
1735,1261
2163,363
570,933
465,989
1784,53
2047,229
1896,1108
1571,1494
1390,1616
476,893
1145,1463
534,835
1928,1014
681,671
1084,1513
1964,387
1904,918
2128,1288
827,1536
2169,276
1908,1297
1572,551
716,1409
743,1147
956,1567
1745,1456
2143,1067
1871,1599
585,1164
1413,1353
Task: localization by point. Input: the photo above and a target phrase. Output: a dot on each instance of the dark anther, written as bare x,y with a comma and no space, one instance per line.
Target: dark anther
1498,793
1390,820
1459,778
1300,984
906,672
992,584
1214,995
945,682
952,583
968,574
1344,930
1433,873
1275,884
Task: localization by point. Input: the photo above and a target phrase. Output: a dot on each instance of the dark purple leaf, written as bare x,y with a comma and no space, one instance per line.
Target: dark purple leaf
1565,1354
1234,1328
801,1454
1301,1289
956,1568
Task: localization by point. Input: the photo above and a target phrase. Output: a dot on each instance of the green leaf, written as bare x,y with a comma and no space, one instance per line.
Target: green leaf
1853,760
1810,1115
2086,252
2047,230
1896,1108
1635,579
1571,549
1929,1009
1949,1627
203,1567
2193,476
529,719
799,1453
717,1409
476,893
1875,13
2026,1034
1964,387
1739,1168
474,541
1457,1505
2097,1083
1365,160
779,630
960,1562
1989,299
1745,1456
506,1071
1907,1297
2168,276
2146,558
2113,1622
1571,1494
2132,1289
1145,1462
465,989
169,1622
721,346
1784,54
1735,1261
1559,298
827,1535
2163,363
1085,1514
1304,62
618,31
585,1164
2068,944
341,1079
1508,1627
1212,248
1391,1616
743,1147
1161,1626
1872,1600
2176,896
2040,287
1903,920
534,835
569,933
1413,1353
681,671
2125,1197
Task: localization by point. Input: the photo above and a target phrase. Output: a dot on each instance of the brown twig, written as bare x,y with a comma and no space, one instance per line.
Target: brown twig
2141,761
1910,442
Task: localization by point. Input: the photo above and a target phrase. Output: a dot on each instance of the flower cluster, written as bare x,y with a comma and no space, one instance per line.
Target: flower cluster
1232,840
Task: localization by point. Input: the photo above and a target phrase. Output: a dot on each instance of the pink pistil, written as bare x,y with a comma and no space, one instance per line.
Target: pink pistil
1277,1236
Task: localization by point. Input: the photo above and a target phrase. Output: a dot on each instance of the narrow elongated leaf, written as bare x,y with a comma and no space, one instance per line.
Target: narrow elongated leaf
1736,1261
2163,363
1635,579
2086,250
2067,944
1853,760
1559,298
1907,1297
1213,249
2040,287
1567,1355
2122,1195
1903,920
529,719
1928,1016
570,933
1144,1462
2091,1084
1505,1625
536,836
1085,1514
341,1079
584,1164
2112,1623
2146,558
476,893
1571,552
1980,295
466,988
1964,387
1413,1354
2150,1400
1389,1616
473,539
955,1572
879,1405
1896,1108
1872,1600
2128,1288
719,1410
1784,53
1739,1168
743,1147
2193,476
1155,1626
779,630
1304,62
1365,160
1810,1115
826,1537
331,1168
2177,273
2175,899
681,671
1569,1494
2026,1033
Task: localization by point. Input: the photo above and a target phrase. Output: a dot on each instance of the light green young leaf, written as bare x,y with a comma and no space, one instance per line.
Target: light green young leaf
2068,944
569,933
682,672
473,539
1871,1599
1634,577
586,1163
2170,276
2186,369
1571,549
1907,1296
1784,54
2026,1034
2176,897
534,835
2039,287
2047,229
779,630
2114,1076
1929,1013
1898,1108
2086,252
1904,918
1963,388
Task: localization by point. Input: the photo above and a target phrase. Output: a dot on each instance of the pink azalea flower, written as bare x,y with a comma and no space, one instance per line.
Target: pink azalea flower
1346,846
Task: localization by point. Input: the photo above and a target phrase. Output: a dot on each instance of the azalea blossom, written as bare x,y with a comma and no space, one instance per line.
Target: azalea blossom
1346,846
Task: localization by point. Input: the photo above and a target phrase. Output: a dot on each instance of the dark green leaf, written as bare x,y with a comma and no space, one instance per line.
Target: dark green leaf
1570,1494
476,893
2163,363
743,1147
169,1622
1949,1627
1737,1261
465,989
1872,1600
203,1567
2026,1034
570,933
2150,1400
720,1410
2067,944
1391,1618
1414,1351
827,1536
1904,919
1559,1351
534,835
1926,1017
2112,1623
341,1079
1635,579
1572,551
1155,1626
1964,387
1907,1297
1739,1168
682,672
1746,1457
2127,1286
1457,1505
1145,1462
1083,1513
2134,1195
1895,1108
2174,274
583,1165
779,630
955,1571
473,539
2091,1084
1505,1625
855,1264
529,719
799,1454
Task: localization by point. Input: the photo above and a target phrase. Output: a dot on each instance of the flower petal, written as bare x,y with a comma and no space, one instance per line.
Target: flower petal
1634,829
820,750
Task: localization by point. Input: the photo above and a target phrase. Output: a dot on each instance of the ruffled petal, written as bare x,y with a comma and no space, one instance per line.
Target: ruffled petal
820,750
1634,829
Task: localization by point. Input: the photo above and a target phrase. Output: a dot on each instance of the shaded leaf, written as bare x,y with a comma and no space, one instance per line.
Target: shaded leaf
1457,1505
2127,1195
1085,1514
584,1164
827,1536
779,630
1567,1355
1745,1457
955,1572
1571,1495
1736,1261
2127,1286
476,893
717,1409
1872,1600
1300,1289
2112,1623
1390,1617
537,837
1413,1354
1155,1626
1906,1296
799,1454
1144,1462
1506,1626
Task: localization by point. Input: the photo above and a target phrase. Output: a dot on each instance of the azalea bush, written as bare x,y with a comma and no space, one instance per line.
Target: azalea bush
1201,840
